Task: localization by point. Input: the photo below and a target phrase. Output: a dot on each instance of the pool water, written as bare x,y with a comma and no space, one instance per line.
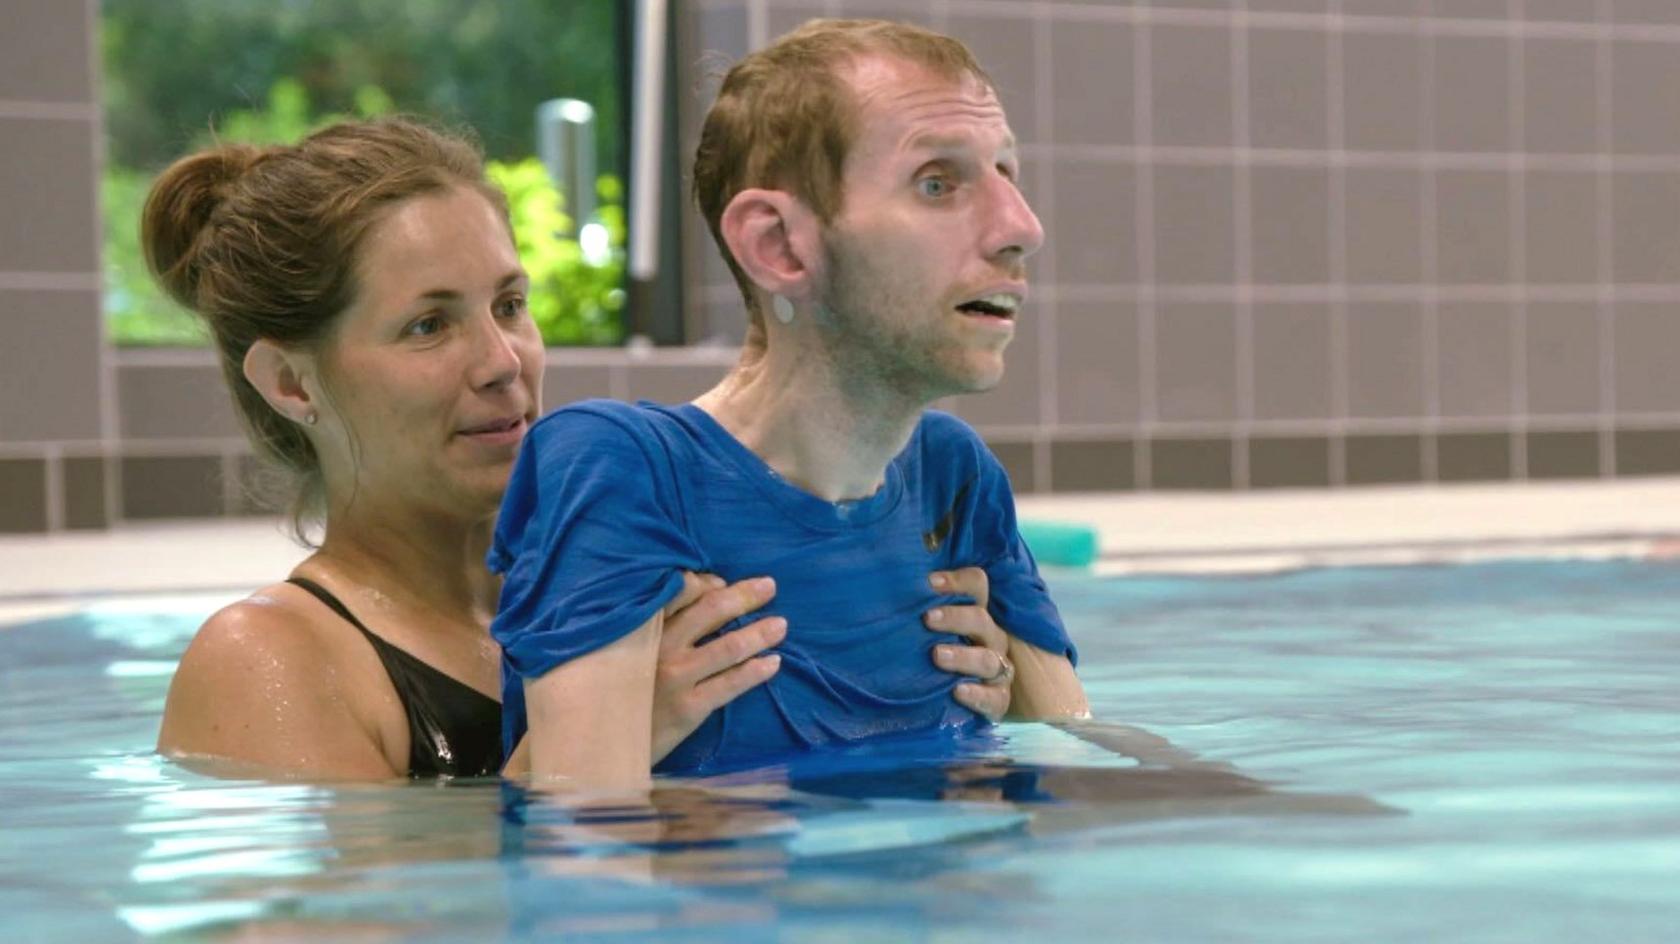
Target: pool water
1486,753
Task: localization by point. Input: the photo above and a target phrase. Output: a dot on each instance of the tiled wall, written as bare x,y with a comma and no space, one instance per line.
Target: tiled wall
1319,242
1291,243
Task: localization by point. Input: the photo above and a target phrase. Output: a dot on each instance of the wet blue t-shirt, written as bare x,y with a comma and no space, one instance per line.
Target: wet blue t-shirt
609,503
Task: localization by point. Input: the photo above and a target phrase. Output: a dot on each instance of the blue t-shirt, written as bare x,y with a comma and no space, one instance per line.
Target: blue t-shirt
608,503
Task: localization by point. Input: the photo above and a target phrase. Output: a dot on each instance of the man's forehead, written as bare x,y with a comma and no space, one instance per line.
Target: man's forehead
907,93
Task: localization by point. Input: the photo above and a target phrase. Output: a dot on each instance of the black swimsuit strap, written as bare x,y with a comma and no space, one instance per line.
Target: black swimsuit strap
333,603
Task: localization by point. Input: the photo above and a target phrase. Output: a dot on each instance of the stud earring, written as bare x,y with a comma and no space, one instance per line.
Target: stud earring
310,418
783,307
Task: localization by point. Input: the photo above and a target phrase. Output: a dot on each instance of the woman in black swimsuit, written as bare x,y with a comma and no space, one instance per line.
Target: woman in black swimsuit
365,296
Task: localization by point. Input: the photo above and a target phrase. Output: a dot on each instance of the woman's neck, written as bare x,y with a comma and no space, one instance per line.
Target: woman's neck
413,560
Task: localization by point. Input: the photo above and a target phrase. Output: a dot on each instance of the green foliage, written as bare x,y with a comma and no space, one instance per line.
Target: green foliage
576,296
137,312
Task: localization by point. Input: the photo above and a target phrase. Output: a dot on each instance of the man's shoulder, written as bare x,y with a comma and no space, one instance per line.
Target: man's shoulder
945,440
597,423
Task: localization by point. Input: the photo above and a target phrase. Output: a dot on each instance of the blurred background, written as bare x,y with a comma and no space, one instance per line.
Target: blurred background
1298,244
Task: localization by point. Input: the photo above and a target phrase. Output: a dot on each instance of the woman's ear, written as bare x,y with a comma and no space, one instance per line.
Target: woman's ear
277,373
770,233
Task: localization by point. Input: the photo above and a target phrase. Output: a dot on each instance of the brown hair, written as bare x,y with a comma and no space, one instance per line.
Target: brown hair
261,242
786,118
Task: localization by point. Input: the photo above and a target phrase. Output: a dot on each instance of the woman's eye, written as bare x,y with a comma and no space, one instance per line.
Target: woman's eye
424,327
511,307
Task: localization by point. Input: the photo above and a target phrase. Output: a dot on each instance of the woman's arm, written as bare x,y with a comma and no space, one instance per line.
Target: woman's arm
590,718
259,688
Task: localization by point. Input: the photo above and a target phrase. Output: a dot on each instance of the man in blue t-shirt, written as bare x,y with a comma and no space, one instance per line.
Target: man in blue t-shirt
860,179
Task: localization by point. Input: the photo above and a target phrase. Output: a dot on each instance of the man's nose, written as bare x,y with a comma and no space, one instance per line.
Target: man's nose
1014,230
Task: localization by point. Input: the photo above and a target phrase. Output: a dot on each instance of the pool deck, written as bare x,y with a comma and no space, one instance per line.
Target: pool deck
1189,532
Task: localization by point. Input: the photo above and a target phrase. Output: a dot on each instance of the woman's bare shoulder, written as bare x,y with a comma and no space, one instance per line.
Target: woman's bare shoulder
266,681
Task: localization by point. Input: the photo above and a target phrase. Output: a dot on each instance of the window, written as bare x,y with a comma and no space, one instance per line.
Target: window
178,71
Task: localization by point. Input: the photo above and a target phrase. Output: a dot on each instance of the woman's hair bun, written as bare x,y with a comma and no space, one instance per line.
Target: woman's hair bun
179,208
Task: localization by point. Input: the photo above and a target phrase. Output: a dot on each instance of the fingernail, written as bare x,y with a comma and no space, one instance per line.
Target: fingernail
935,615
942,653
778,625
938,581
773,661
764,585
714,582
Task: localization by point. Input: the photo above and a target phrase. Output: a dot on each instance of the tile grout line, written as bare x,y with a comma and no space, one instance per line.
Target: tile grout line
1606,260
1429,308
1043,462
1336,130
1243,197
1517,138
1143,117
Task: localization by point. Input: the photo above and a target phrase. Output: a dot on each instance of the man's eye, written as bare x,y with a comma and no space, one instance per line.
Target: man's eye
933,186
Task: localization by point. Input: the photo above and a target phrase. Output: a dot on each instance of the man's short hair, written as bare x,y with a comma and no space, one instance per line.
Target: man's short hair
785,117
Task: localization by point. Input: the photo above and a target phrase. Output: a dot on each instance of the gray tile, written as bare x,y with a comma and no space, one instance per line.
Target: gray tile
1017,461
49,365
1289,462
672,383
1473,227
23,482
1194,217
1190,465
1644,11
1177,4
1004,46
1646,238
1472,93
261,487
1093,233
171,487
1560,11
1385,360
918,12
1292,375
1474,350
1643,77
1015,400
1560,95
84,493
1288,6
1647,452
1647,337
1288,79
1382,99
1563,455
49,223
1562,358
1190,76
1473,457
568,384
720,35
785,19
1091,82
1291,225
1383,459
1411,8
1559,235
1468,9
174,403
1091,465
1097,363
1384,226
48,52
1195,363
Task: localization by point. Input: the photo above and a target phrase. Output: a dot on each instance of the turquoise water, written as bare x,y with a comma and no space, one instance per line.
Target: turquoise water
1480,753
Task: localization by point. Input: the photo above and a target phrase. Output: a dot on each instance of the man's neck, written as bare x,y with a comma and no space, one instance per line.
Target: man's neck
820,430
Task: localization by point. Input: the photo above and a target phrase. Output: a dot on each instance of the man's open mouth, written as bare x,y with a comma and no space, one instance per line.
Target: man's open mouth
1000,305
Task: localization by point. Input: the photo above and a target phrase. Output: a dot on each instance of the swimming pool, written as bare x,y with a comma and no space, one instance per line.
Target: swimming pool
1486,752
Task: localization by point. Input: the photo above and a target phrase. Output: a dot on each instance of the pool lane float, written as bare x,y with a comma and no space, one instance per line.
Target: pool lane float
1060,544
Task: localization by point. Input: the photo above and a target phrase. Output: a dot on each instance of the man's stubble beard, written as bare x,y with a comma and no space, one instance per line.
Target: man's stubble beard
875,339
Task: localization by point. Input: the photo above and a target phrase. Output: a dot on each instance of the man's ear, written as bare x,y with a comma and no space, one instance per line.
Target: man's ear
772,235
278,374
